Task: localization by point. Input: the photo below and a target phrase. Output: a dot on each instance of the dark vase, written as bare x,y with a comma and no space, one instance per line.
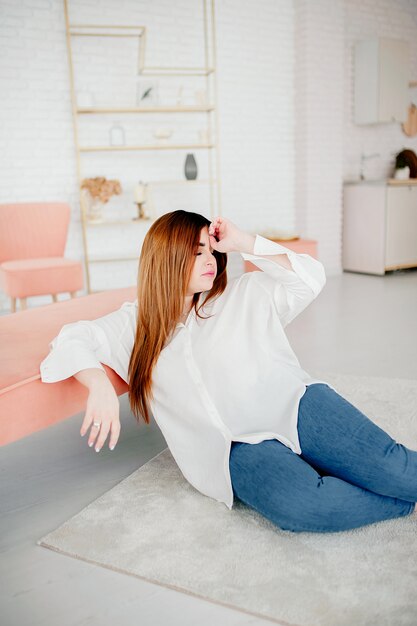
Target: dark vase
190,167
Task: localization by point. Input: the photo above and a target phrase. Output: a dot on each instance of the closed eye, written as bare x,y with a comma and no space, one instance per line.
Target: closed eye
203,245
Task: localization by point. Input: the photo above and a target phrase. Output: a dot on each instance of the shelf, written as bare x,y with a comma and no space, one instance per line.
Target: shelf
150,147
97,27
403,182
177,71
92,291
116,222
160,109
112,259
198,181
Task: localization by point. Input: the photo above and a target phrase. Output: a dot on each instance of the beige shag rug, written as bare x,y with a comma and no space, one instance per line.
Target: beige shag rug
156,526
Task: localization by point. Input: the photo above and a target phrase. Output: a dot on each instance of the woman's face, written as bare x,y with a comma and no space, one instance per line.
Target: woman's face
205,266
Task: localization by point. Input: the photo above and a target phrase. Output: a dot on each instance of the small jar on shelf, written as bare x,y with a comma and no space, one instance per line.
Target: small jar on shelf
117,135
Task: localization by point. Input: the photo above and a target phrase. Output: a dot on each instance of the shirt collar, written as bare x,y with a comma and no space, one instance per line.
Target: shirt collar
191,314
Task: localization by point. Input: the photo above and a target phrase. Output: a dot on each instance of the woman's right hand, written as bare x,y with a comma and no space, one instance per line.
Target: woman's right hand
103,408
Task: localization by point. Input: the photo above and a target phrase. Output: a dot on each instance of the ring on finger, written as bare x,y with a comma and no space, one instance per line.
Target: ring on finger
97,424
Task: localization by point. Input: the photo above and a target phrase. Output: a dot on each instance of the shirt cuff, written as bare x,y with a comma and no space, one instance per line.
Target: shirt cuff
65,361
308,269
266,246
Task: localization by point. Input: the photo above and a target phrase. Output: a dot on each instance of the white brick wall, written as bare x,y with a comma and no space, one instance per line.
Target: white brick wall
37,148
255,85
286,134
319,30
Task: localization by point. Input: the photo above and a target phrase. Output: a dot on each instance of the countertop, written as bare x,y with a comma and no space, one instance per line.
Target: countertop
383,181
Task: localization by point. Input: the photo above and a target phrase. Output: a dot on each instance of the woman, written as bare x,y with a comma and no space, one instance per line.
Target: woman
209,359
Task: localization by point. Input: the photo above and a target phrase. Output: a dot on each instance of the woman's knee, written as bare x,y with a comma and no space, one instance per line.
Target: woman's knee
311,511
330,506
284,489
295,512
394,473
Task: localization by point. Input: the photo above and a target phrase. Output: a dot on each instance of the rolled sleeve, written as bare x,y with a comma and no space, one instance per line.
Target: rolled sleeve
78,346
89,344
292,290
65,362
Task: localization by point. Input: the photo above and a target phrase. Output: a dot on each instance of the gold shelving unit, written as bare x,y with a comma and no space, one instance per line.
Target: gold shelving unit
208,71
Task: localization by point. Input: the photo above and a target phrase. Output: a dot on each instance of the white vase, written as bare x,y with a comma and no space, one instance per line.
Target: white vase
402,173
117,135
91,207
95,211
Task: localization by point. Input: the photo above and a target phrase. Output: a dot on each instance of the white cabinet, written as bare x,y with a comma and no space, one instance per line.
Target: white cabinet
379,230
382,73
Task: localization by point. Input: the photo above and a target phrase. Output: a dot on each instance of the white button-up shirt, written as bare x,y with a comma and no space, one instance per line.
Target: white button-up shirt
231,377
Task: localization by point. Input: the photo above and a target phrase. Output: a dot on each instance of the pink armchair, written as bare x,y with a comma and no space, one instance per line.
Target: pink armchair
32,245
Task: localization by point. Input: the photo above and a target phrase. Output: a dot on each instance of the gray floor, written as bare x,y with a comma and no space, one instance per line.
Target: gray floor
360,324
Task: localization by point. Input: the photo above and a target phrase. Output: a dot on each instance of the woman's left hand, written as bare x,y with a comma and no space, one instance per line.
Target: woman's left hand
227,237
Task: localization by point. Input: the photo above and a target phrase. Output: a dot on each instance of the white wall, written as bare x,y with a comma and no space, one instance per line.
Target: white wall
255,86
328,143
319,32
36,133
383,18
285,87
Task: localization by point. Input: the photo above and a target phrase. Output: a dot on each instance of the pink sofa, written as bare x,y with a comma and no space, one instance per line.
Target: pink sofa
27,404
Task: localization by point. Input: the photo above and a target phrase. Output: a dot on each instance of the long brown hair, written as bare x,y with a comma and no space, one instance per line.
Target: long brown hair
165,266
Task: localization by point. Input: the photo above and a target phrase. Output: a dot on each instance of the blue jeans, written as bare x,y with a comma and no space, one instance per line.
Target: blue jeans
350,473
